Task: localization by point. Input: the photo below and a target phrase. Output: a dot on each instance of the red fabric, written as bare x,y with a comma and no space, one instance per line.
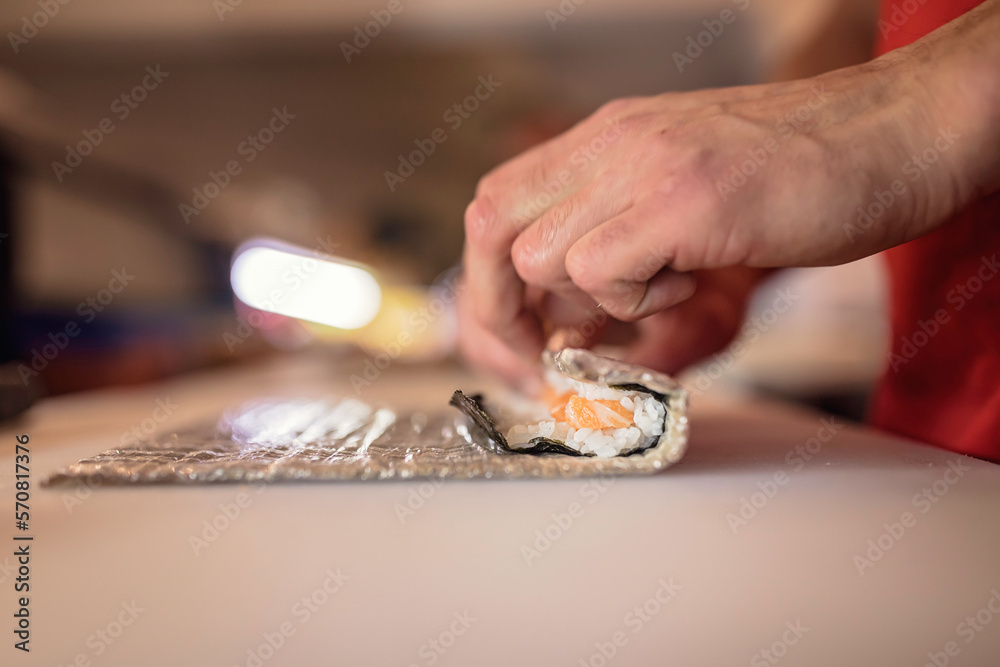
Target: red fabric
942,384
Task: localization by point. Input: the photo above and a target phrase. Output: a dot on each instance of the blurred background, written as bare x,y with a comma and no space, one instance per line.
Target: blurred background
142,142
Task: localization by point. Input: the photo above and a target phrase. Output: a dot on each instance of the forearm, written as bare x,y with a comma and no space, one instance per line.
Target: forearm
972,50
954,74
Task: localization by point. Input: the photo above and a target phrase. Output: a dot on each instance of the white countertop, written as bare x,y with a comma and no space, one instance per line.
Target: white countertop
467,577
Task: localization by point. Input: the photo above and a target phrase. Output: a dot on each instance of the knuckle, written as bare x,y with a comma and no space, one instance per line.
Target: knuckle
525,256
541,179
536,252
629,125
615,107
488,182
480,221
561,214
584,267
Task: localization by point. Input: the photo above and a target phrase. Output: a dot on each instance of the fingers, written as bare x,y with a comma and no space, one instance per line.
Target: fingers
486,352
508,200
683,335
623,265
678,337
665,289
553,170
523,188
491,227
573,325
675,339
539,253
496,294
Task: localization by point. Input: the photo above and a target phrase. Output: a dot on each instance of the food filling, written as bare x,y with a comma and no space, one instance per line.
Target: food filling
594,419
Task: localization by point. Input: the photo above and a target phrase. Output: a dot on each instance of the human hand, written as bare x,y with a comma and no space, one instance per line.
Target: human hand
667,341
620,209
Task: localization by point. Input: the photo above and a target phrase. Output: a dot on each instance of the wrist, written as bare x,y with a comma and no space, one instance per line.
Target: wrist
915,139
884,128
965,86
952,76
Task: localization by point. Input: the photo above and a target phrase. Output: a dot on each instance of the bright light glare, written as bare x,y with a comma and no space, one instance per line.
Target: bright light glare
305,287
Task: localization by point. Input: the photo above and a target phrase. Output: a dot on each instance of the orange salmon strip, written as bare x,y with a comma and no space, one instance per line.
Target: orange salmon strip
557,404
581,413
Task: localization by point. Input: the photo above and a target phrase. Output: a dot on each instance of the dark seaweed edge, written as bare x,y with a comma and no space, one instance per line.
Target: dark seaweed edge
662,398
549,446
471,407
632,386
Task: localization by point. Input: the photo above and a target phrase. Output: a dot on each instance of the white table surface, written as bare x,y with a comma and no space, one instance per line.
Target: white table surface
462,551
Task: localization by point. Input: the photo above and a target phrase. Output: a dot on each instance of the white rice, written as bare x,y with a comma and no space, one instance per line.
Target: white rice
647,413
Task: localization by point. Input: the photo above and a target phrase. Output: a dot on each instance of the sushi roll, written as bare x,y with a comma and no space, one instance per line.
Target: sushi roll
592,406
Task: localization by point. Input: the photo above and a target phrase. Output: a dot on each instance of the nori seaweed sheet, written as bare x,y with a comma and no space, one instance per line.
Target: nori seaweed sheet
662,398
471,407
